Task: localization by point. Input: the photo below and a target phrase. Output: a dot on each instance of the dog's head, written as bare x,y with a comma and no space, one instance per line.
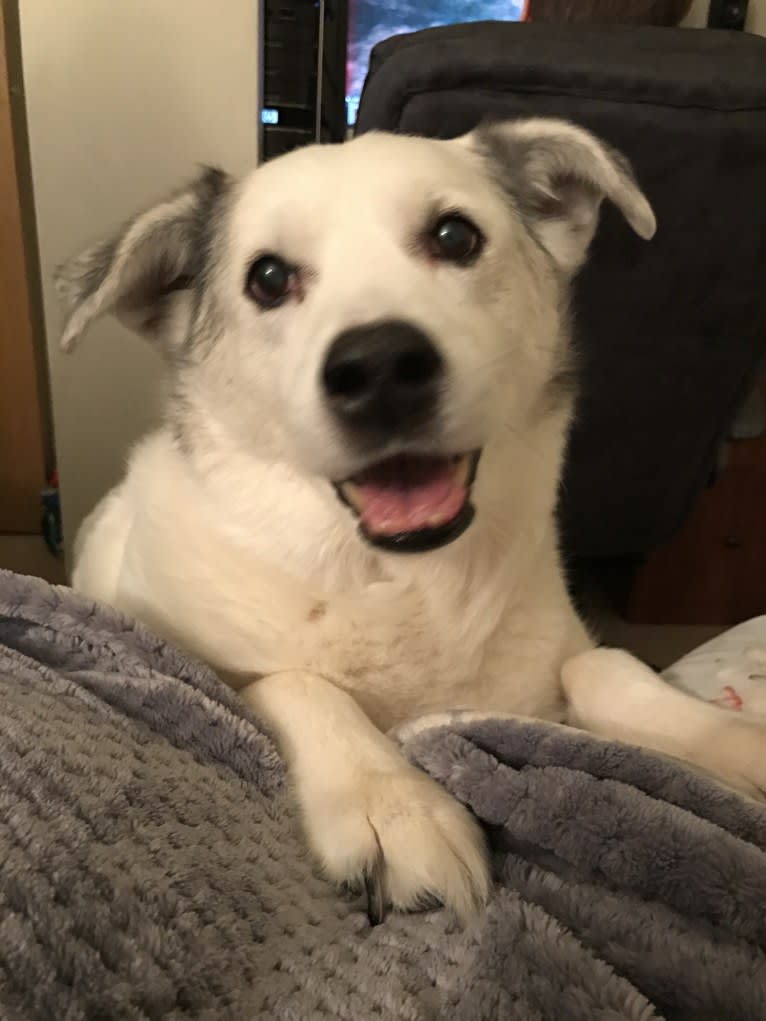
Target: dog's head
373,313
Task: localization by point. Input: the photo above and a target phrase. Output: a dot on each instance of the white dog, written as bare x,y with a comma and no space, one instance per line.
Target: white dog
349,509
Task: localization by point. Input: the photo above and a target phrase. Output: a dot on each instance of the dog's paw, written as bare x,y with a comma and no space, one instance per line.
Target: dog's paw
612,694
403,837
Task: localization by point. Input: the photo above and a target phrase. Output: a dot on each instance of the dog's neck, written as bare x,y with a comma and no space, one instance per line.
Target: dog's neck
295,523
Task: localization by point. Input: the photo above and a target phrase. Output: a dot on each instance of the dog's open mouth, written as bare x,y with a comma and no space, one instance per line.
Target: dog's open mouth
412,503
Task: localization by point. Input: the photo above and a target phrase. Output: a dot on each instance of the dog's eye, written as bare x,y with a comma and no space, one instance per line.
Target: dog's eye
269,280
455,239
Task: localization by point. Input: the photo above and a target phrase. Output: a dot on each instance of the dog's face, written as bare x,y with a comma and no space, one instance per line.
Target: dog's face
373,313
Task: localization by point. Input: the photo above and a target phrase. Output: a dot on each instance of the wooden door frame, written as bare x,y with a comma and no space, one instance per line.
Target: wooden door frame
26,446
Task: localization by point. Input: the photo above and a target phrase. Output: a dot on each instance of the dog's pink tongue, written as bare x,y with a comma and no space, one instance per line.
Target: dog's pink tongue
408,494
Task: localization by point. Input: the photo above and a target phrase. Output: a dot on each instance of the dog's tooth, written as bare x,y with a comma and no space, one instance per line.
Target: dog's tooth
462,471
352,494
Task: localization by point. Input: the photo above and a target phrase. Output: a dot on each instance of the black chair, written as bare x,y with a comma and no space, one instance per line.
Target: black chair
670,333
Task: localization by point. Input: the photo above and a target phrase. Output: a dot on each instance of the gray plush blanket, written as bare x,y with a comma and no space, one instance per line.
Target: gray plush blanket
152,868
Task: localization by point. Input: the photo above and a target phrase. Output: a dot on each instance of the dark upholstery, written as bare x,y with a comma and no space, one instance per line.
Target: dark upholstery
670,333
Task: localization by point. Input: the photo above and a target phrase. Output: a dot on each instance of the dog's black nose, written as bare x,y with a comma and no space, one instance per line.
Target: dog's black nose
383,377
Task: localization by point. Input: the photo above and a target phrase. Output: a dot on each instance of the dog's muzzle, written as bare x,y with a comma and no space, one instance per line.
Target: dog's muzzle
413,503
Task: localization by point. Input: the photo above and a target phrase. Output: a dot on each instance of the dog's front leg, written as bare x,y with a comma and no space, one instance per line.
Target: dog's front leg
612,694
370,817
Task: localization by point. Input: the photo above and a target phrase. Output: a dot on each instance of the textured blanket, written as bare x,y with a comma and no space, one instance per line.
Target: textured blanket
152,867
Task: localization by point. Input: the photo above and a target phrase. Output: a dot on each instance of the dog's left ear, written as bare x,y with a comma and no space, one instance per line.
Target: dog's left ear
557,175
137,274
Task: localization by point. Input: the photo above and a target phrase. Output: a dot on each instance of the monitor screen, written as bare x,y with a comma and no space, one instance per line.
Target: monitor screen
370,22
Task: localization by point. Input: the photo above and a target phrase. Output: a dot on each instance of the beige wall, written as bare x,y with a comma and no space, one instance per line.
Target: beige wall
123,99
756,15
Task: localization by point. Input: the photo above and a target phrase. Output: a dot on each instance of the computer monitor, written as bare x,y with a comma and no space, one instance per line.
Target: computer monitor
315,55
370,22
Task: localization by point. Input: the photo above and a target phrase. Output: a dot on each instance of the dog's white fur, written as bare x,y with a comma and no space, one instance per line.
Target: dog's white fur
226,535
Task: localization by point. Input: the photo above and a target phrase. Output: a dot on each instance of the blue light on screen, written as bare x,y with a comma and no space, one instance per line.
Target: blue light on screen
269,116
371,21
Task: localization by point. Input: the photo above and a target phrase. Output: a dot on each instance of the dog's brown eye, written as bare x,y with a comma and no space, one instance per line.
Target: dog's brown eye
269,280
455,239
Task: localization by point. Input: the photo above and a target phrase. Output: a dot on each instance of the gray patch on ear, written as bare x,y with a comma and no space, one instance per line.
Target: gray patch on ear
209,222
137,274
178,414
556,176
94,267
562,388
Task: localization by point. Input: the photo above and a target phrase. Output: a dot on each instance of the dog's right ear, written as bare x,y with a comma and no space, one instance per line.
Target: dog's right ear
137,274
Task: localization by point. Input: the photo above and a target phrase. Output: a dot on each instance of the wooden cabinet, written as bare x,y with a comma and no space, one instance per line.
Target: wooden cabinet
23,420
714,570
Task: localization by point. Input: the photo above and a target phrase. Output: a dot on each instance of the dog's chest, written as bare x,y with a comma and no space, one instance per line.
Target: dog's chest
402,646
404,653
397,653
